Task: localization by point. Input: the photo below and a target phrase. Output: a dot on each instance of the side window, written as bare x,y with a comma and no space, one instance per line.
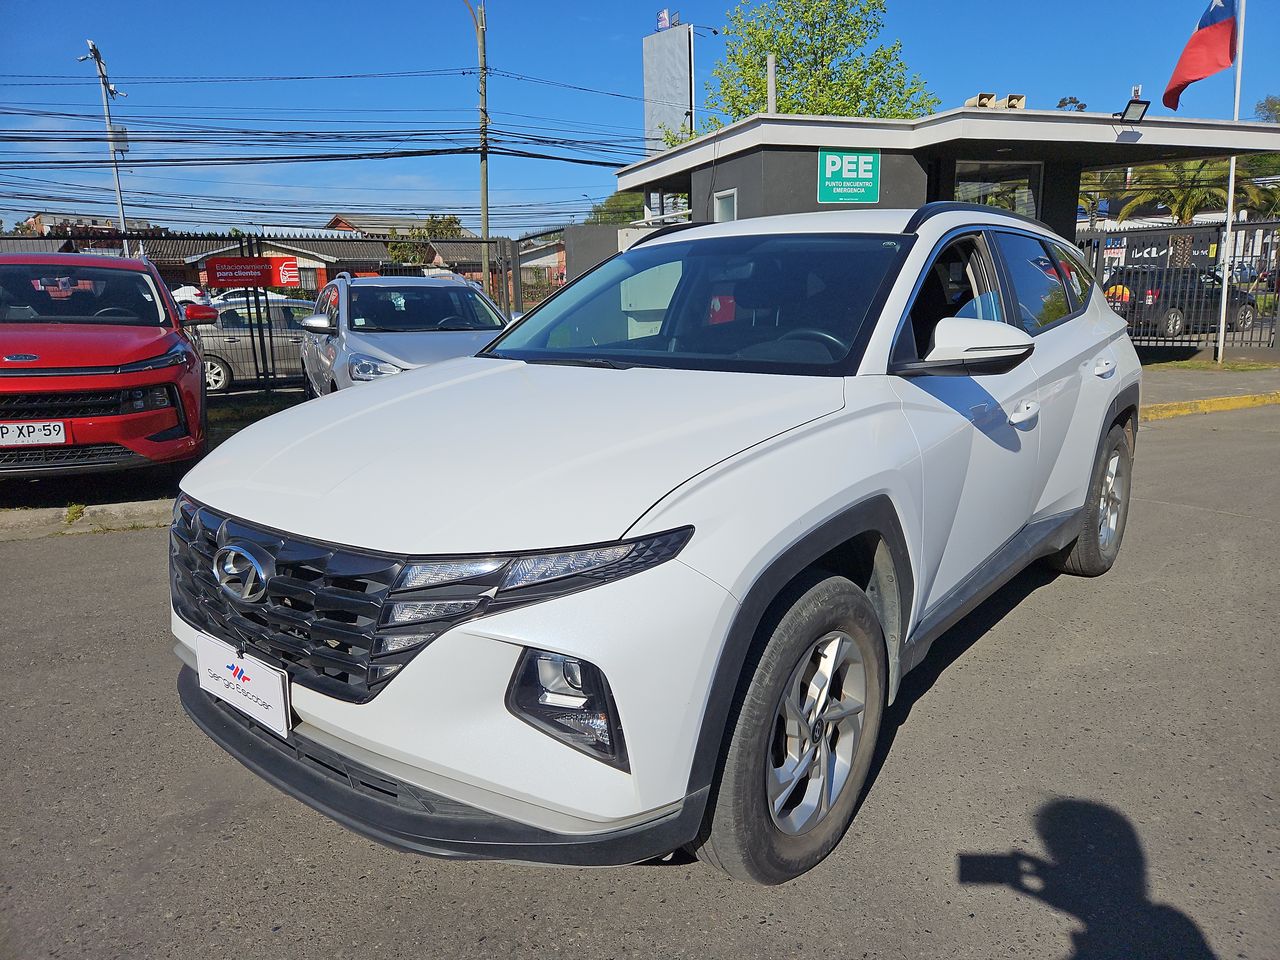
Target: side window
328,304
1042,299
957,283
1079,281
232,319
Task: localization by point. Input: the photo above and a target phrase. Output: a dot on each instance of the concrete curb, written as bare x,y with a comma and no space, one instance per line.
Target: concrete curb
57,521
1183,408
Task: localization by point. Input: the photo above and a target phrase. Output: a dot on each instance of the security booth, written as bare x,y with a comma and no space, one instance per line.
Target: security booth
1029,161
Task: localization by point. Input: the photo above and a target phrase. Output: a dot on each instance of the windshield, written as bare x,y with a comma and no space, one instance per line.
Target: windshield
58,293
414,309
782,303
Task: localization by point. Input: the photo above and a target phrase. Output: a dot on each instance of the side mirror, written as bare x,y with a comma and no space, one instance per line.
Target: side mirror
317,323
964,347
197,313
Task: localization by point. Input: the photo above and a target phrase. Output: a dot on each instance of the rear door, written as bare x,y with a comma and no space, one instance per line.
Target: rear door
1074,361
286,338
978,436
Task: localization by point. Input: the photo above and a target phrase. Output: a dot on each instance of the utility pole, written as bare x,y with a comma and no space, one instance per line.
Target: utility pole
109,93
478,18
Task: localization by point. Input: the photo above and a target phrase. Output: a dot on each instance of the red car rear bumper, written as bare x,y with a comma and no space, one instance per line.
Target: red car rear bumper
104,430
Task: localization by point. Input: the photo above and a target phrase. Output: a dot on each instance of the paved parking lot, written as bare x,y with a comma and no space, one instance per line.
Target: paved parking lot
1123,731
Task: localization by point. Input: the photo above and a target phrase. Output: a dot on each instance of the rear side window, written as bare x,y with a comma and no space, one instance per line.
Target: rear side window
1042,299
1079,280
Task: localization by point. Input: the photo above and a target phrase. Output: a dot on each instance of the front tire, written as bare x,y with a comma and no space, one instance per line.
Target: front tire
1106,511
802,737
217,375
1244,318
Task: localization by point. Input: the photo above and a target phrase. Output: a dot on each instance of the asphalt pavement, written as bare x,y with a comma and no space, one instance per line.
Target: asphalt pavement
1083,768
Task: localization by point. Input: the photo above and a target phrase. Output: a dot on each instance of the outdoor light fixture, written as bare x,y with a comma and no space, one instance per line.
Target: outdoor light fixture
1133,111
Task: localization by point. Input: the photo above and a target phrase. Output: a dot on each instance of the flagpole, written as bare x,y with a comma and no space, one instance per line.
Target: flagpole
1225,257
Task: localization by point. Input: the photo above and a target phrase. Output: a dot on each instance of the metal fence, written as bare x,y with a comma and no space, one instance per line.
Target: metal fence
1167,282
257,341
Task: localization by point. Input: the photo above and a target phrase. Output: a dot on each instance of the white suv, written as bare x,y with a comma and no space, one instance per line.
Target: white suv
369,328
645,573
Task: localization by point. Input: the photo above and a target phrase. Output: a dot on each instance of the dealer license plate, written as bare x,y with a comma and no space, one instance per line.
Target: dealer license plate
259,691
32,433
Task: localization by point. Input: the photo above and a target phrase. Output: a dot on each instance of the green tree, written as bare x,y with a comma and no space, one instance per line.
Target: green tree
1268,109
1098,186
617,208
827,63
1072,103
414,247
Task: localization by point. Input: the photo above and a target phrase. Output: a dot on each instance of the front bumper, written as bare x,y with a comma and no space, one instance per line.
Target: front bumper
411,818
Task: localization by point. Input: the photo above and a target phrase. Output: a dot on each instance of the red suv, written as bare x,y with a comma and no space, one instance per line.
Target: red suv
96,372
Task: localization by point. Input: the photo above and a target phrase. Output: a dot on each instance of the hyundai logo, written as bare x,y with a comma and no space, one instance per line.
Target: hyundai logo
21,358
240,574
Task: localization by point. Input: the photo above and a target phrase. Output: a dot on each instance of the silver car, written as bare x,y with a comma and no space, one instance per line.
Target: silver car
368,328
241,347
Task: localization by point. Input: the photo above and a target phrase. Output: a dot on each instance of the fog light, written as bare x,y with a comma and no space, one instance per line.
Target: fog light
569,699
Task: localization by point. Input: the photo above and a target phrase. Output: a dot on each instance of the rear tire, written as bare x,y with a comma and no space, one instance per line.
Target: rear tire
1244,318
1174,323
1106,511
802,734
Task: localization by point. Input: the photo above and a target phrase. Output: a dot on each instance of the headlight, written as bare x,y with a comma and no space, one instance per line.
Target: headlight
443,592
180,354
362,367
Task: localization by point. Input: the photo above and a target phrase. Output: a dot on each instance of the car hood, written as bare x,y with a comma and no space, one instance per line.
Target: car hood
477,454
410,350
80,344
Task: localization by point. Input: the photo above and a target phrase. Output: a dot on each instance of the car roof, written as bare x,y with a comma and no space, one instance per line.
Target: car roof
76,260
439,280
878,221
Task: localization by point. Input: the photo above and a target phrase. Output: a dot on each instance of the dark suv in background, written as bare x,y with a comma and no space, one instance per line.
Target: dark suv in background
1171,301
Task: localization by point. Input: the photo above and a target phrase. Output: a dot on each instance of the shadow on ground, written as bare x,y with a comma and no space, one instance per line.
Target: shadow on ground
1096,872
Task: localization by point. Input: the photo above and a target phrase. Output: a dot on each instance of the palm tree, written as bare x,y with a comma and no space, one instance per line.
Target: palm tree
1097,186
1188,188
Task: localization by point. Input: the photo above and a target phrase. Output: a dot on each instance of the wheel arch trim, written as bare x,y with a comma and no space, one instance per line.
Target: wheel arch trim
876,515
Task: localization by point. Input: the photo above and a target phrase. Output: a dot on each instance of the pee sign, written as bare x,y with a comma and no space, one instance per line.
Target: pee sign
848,176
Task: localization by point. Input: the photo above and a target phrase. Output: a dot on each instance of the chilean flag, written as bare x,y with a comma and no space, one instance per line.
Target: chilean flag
1211,48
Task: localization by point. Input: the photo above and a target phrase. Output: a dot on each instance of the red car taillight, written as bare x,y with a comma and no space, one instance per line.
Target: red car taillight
1151,297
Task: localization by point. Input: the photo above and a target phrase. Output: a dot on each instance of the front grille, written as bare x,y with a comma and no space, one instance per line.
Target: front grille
60,406
88,455
320,614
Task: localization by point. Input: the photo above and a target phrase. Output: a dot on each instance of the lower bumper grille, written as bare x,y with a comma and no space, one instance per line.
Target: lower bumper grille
58,406
88,455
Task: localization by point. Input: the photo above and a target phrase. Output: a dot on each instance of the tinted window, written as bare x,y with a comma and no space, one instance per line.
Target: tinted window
1042,299
1079,280
785,303
66,293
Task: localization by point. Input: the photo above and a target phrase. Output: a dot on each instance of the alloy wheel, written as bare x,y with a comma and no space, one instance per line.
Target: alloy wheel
1244,318
815,734
215,375
1174,323
1111,501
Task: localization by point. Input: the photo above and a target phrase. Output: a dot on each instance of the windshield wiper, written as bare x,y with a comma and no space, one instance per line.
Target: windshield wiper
580,362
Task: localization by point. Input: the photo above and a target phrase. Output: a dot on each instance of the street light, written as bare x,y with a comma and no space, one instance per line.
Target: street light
1133,111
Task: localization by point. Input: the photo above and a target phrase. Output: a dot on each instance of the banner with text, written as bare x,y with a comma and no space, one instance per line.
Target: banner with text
252,272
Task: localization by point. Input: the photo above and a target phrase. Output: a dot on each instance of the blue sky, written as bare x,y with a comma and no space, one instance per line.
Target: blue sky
1093,51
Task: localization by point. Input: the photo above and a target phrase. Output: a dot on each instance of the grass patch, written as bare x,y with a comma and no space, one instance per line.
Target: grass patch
74,512
1229,366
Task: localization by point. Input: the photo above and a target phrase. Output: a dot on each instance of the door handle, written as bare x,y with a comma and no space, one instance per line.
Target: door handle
1103,368
1026,411
230,339
295,339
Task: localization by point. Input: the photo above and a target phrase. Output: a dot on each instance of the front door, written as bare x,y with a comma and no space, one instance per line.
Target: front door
977,435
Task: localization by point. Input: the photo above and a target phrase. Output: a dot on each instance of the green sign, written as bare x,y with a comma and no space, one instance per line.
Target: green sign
848,176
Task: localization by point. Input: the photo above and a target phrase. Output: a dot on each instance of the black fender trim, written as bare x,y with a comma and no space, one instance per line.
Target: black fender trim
877,515
1126,398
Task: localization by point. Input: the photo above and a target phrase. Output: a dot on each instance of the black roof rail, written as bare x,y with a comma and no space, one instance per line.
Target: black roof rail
669,228
939,207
